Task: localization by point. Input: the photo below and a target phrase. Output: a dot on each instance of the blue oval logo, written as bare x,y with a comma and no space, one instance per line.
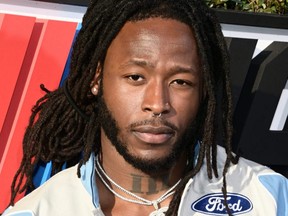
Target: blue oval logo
213,204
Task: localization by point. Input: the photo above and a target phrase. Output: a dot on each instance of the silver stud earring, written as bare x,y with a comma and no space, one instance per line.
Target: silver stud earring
94,90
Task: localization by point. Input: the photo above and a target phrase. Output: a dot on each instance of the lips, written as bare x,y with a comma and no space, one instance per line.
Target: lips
153,135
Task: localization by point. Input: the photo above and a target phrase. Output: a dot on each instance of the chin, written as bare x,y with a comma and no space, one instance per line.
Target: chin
151,161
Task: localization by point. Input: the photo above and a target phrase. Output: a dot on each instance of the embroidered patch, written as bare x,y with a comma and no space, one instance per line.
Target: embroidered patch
213,204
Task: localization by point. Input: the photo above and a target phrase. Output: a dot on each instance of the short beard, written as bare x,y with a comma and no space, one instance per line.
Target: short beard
109,125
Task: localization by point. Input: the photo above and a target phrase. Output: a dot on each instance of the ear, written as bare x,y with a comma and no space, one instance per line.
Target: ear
95,84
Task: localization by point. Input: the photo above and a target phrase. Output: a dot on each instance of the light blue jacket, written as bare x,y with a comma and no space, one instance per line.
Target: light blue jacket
253,190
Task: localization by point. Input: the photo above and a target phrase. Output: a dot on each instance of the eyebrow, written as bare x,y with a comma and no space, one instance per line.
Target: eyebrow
145,64
138,62
179,69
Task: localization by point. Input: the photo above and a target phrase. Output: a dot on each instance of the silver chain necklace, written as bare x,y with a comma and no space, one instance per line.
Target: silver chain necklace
138,200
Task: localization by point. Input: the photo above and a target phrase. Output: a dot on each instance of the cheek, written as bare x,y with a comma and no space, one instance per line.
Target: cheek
187,109
122,103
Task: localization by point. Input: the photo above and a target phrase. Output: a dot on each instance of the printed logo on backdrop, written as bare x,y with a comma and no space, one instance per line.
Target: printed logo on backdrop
213,204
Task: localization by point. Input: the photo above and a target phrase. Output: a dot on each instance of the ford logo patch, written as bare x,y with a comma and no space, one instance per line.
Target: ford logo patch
213,204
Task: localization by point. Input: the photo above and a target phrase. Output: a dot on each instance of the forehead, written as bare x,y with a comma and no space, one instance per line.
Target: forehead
152,36
165,28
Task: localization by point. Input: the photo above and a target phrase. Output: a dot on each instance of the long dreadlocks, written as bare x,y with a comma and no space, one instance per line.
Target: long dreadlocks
61,133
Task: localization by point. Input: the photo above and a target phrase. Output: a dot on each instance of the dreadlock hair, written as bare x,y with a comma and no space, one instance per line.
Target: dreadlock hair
59,133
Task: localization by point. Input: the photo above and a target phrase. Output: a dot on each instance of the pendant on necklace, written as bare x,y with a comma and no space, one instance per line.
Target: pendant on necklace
159,212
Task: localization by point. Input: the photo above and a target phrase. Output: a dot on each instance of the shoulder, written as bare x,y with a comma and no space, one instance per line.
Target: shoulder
260,179
274,184
49,197
245,182
254,173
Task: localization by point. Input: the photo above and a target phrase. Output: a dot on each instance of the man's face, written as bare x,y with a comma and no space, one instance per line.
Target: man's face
152,66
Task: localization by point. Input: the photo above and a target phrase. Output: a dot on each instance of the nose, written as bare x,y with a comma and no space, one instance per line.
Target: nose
156,99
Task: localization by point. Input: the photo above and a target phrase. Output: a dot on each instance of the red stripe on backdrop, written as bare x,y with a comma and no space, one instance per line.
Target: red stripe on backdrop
44,63
15,33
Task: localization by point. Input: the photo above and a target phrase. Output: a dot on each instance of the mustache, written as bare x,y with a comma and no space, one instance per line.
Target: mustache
154,122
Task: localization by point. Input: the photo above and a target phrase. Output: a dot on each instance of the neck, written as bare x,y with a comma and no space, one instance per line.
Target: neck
153,185
148,186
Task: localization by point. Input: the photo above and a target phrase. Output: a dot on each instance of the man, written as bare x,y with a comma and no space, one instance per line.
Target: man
139,109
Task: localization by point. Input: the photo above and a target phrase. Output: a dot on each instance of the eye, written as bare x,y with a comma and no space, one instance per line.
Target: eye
135,77
181,82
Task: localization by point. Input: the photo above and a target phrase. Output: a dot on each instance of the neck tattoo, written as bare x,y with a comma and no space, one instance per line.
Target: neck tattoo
134,198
